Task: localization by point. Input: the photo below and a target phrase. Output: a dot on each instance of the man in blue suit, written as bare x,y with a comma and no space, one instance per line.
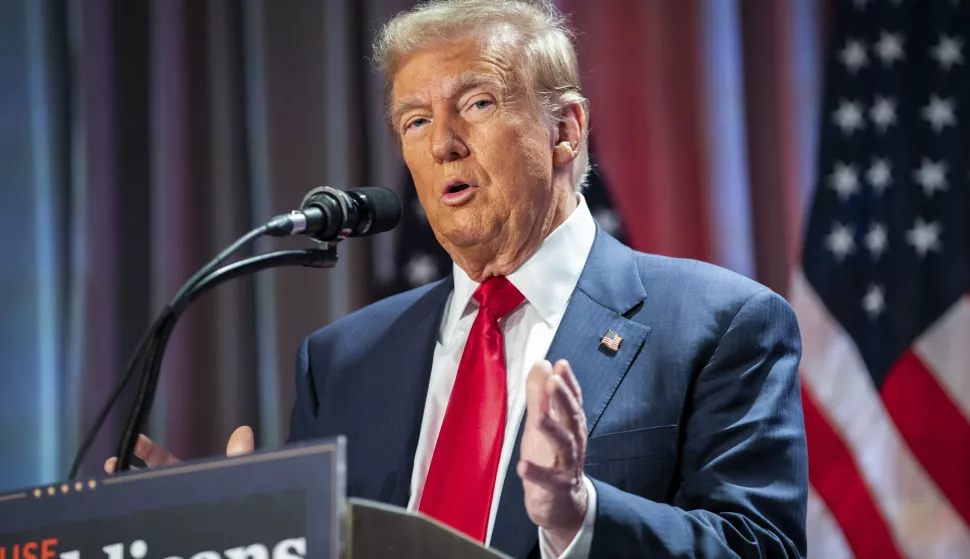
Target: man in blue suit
559,395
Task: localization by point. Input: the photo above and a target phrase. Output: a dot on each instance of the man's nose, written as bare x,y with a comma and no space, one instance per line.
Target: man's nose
446,142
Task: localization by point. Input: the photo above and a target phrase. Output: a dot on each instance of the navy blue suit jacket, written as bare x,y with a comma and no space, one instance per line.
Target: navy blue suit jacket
696,437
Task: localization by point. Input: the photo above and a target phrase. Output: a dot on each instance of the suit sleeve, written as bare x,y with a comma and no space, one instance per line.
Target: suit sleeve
305,407
743,465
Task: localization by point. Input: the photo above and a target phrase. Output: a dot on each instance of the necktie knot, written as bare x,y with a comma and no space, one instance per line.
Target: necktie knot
498,295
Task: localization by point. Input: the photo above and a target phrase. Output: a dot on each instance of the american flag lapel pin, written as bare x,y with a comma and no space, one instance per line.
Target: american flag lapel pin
611,340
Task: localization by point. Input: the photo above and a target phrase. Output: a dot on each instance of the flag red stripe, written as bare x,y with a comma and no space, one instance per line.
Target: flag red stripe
933,427
838,482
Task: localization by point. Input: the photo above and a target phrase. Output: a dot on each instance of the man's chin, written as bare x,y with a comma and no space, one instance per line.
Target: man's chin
466,239
467,236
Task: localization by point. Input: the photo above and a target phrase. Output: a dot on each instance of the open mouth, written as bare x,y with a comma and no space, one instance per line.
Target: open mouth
456,193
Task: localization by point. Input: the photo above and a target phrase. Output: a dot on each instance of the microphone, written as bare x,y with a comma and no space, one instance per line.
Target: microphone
330,215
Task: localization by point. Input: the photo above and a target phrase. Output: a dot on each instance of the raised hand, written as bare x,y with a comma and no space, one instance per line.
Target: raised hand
553,452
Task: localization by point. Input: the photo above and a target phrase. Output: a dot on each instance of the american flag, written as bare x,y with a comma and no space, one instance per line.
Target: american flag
419,259
612,340
882,293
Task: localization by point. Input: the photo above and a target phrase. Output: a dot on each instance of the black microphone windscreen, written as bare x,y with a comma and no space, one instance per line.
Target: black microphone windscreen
385,207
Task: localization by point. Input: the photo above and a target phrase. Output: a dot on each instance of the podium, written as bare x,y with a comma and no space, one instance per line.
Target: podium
286,504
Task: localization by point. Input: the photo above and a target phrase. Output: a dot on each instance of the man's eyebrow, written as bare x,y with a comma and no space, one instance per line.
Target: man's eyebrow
404,106
456,88
470,80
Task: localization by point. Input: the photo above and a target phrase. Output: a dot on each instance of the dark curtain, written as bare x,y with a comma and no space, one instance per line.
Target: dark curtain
153,134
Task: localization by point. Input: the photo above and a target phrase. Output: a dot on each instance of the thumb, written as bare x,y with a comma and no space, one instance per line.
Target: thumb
536,397
241,441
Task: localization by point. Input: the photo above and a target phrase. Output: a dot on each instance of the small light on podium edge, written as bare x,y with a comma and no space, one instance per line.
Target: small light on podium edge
65,489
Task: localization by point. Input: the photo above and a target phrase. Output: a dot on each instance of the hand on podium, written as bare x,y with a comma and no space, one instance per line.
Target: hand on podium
241,441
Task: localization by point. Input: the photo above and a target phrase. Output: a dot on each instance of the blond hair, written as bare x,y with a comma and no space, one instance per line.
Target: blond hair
551,69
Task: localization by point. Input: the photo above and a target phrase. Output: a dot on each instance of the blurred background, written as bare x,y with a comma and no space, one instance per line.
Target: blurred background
817,146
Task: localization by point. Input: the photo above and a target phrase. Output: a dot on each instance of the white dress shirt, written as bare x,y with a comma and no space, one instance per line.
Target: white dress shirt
547,281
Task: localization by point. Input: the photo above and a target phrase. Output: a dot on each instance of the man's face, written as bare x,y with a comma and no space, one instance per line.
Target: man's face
478,149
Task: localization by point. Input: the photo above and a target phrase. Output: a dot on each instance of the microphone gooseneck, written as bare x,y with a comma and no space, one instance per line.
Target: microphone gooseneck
327,215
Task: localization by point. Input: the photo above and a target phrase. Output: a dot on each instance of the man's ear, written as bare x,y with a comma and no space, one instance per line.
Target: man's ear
569,135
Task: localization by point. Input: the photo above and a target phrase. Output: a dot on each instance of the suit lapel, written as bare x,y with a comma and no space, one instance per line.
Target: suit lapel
408,353
609,287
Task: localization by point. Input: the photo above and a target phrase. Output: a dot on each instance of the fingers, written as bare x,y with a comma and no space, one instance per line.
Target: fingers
568,438
555,393
149,452
563,441
549,478
111,464
537,398
566,410
564,370
242,441
540,374
153,454
554,410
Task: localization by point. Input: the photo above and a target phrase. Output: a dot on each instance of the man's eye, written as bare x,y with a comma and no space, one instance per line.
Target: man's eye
482,104
416,123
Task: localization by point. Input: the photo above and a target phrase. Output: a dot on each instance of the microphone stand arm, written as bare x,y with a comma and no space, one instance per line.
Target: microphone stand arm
306,258
141,408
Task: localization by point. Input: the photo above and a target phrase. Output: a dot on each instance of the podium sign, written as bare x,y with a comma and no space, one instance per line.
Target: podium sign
286,504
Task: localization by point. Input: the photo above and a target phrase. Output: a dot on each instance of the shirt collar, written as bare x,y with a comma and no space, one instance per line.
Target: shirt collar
546,280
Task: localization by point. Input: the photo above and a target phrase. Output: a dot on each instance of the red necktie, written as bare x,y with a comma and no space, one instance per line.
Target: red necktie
461,479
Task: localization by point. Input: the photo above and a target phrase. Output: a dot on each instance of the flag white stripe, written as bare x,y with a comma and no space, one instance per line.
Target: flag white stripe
922,521
825,537
945,349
